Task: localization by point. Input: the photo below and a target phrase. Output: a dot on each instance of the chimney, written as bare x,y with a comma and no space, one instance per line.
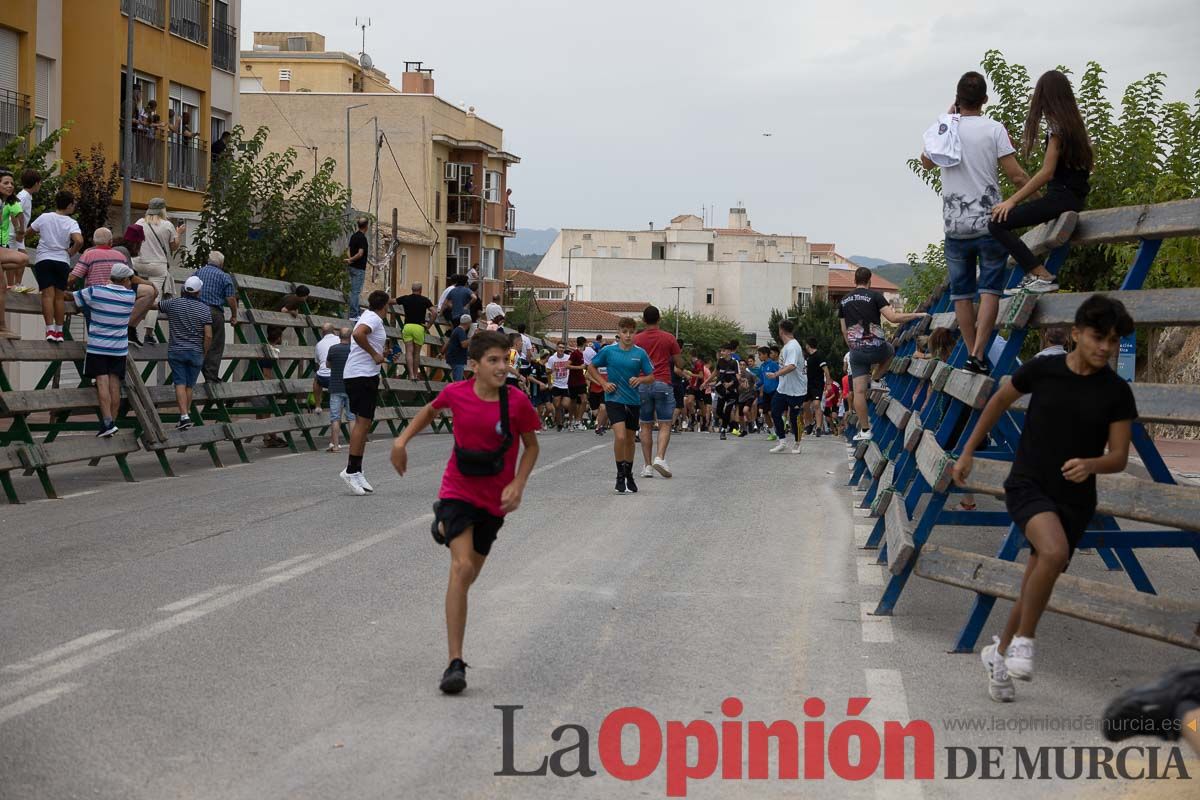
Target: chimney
417,78
738,218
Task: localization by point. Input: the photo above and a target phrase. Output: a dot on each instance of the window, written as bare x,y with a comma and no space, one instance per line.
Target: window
587,237
488,268
815,259
464,259
803,297
285,74
491,186
297,44
772,243
403,267
41,99
220,124
189,19
743,255
709,296
616,252
437,206
601,252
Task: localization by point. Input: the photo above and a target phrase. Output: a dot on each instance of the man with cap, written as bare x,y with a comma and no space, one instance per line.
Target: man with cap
454,349
216,292
190,328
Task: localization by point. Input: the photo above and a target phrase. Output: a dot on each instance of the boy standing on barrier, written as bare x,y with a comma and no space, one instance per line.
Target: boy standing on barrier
361,378
482,482
190,330
628,368
1079,407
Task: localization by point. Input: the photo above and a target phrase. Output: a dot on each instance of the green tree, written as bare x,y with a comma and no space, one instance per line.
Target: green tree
928,273
15,159
270,218
525,312
815,319
701,333
95,184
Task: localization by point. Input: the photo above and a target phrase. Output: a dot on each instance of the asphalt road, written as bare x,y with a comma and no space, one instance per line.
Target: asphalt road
257,632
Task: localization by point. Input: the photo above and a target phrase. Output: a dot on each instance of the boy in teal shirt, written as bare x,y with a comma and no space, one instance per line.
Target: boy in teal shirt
628,368
769,366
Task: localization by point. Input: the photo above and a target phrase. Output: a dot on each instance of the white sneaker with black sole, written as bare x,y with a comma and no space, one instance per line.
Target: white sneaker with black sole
863,436
1032,284
1000,685
1019,658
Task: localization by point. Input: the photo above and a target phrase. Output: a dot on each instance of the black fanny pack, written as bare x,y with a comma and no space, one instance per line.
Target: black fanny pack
486,463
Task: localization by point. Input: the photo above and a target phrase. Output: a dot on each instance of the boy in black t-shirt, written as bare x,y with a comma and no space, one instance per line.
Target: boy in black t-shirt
1079,405
725,381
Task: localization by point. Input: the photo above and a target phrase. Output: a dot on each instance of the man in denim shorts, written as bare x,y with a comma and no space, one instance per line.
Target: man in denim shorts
658,398
338,399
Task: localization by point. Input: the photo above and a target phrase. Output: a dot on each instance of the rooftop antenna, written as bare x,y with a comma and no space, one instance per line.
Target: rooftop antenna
364,60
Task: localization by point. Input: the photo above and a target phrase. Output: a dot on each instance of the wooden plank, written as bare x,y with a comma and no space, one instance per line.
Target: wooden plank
897,531
1154,616
883,498
332,295
970,388
1016,311
201,434
860,451
1049,235
338,323
933,463
260,284
1173,403
898,414
143,407
34,350
941,374
404,386
34,400
900,365
259,427
66,450
1146,306
945,319
280,319
1129,223
913,433
237,390
875,459
922,368
881,404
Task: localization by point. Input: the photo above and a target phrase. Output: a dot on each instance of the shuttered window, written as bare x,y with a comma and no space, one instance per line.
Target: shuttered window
10,47
42,96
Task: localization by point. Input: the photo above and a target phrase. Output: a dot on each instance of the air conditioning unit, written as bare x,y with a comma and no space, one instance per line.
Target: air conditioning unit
452,246
451,171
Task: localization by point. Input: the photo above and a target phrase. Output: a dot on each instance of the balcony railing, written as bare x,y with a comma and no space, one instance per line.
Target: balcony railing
510,221
152,12
147,164
224,46
463,209
187,163
189,19
14,115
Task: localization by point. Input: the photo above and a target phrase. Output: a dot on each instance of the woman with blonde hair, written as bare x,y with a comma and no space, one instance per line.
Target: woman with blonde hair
153,262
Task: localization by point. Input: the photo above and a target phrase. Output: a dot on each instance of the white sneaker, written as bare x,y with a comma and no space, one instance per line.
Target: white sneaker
352,482
1019,658
647,472
863,436
1000,685
796,449
780,447
1033,285
660,464
362,481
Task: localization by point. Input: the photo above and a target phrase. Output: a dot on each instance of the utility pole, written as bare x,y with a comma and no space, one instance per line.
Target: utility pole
677,290
127,150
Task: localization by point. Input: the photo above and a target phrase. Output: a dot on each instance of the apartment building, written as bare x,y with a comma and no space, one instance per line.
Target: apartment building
735,272
443,169
31,47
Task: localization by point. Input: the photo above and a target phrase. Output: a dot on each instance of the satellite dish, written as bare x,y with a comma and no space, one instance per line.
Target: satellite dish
365,61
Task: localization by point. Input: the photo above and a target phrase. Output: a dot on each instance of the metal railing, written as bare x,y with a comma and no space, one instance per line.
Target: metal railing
510,220
147,165
152,12
187,163
189,19
224,46
14,115
463,209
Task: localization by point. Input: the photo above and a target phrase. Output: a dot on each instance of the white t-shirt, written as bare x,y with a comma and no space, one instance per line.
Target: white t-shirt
558,368
359,363
54,231
493,310
327,341
588,354
970,189
794,383
26,201
526,346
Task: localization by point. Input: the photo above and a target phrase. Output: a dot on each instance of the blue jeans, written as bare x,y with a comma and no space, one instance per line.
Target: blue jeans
456,372
357,276
185,367
658,400
962,257
338,402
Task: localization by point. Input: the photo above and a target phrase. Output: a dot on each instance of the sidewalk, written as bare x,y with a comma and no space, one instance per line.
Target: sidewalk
1182,456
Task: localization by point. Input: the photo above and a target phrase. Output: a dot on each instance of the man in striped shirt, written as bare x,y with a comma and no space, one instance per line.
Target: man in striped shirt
191,325
96,263
218,291
109,311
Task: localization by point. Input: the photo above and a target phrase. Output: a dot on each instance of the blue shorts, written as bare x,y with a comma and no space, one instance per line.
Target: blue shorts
863,359
658,402
338,402
962,258
322,381
185,368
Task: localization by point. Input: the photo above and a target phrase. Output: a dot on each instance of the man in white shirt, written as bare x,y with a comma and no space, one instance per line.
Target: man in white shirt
793,386
31,182
559,367
361,378
329,338
494,309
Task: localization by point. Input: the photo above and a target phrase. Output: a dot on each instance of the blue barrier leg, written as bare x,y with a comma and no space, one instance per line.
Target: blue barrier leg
876,533
981,608
896,585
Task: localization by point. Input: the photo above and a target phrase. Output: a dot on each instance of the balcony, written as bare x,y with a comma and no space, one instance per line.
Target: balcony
187,162
463,209
224,47
147,165
152,12
14,115
189,20
510,221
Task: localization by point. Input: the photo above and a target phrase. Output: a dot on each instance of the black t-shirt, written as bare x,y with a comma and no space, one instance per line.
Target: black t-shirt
538,370
815,366
727,375
456,348
416,307
1067,177
860,309
1068,417
358,241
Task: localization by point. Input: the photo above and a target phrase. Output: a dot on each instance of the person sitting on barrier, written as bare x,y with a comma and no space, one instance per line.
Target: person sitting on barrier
970,189
13,224
295,301
1168,708
190,330
860,314
1064,173
335,360
1079,406
109,310
96,263
1054,341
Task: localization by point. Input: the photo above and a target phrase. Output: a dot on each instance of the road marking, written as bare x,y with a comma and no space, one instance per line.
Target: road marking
35,701
889,702
67,496
282,565
875,629
571,457
180,605
64,649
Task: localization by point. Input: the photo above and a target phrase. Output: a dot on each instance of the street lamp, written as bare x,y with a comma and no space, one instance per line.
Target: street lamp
677,290
349,192
567,304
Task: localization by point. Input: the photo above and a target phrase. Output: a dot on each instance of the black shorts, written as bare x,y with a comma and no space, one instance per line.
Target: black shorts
699,395
595,400
95,365
456,516
322,381
814,393
680,391
363,394
557,392
1025,499
626,413
747,400
577,391
52,275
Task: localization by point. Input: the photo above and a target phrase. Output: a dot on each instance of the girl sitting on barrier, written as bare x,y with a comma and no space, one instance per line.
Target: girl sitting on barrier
1079,425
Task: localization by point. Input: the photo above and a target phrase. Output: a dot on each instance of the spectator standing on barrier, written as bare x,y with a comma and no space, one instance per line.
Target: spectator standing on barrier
218,292
1064,173
792,389
153,263
970,189
59,239
418,316
109,310
494,309
356,265
657,397
454,349
31,182
329,337
1079,425
191,331
96,263
493,423
339,402
361,377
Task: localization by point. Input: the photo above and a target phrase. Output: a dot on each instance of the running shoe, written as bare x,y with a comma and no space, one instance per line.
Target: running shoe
629,482
735,432
660,465
647,472
184,424
796,449
454,679
977,366
58,336
863,436
781,447
362,481
1000,685
722,434
149,338
1032,284
771,437
620,487
107,429
1019,658
1154,709
50,335
352,482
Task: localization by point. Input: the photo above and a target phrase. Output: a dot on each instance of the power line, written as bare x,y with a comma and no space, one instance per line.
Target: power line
281,114
416,202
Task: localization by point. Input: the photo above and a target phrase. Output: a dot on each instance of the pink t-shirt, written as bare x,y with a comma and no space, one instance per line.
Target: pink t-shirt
662,349
477,427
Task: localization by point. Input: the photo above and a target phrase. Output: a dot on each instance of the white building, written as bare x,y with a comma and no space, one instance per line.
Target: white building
735,272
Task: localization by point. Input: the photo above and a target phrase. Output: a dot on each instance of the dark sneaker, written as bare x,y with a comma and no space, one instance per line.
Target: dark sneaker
107,430
133,338
977,366
1153,709
454,679
722,434
149,338
183,425
433,528
629,484
620,487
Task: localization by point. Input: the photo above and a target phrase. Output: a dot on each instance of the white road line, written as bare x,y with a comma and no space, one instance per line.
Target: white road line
889,701
860,512
67,496
571,457
282,565
35,701
180,605
875,629
64,649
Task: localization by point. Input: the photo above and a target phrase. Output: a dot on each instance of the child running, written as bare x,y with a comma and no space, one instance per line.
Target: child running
1079,409
1064,173
483,481
628,368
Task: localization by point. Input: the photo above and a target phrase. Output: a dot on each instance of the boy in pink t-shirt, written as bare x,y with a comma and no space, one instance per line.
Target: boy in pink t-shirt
470,508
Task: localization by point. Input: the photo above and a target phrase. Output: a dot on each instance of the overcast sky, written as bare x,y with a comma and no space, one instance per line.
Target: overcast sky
629,112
